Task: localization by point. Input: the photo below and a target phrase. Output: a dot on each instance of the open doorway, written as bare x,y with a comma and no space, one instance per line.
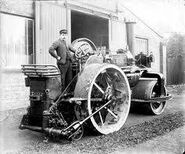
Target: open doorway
91,27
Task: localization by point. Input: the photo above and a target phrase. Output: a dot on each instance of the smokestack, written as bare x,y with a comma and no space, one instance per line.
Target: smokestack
130,35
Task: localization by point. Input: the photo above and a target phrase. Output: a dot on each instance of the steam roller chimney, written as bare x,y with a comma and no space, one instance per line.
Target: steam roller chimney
130,35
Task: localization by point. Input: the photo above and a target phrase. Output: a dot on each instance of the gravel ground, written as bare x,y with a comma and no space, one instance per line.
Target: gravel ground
169,143
176,89
133,137
122,140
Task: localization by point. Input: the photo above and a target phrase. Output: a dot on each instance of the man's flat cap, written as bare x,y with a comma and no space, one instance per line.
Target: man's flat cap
63,31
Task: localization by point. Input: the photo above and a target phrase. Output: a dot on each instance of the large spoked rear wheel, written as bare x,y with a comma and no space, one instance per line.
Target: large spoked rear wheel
157,108
102,83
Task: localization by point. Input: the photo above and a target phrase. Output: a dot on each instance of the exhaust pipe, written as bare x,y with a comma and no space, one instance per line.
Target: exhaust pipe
130,35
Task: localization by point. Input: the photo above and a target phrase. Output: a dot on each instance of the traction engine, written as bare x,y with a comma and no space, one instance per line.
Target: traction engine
98,98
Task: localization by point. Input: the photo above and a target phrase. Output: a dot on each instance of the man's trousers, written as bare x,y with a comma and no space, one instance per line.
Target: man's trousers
66,73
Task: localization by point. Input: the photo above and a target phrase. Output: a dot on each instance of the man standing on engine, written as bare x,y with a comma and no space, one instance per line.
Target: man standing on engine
60,50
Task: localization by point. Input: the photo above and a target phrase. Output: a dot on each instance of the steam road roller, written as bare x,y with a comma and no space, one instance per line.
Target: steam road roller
98,98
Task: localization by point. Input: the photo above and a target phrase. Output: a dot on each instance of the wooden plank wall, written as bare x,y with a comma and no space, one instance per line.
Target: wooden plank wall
50,19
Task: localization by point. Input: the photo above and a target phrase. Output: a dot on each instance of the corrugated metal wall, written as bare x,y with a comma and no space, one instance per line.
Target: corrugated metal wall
50,18
118,35
141,45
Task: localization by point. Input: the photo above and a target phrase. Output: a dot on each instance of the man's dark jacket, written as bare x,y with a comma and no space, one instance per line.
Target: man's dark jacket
61,50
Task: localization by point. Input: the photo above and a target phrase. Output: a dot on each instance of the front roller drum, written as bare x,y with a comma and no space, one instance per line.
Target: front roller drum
157,108
148,89
100,83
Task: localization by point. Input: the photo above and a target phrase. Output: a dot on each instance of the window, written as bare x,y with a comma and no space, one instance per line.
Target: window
17,41
141,45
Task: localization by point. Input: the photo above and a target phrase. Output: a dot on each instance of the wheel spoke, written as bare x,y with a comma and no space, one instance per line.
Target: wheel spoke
120,90
156,105
101,119
112,113
108,79
81,51
117,76
96,99
99,88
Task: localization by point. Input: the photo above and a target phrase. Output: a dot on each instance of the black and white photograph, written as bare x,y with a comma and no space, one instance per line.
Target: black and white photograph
92,76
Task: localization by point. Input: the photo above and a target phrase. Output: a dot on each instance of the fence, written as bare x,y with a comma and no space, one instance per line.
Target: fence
176,70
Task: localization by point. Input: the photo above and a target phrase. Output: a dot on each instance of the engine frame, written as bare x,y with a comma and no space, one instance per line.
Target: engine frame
65,114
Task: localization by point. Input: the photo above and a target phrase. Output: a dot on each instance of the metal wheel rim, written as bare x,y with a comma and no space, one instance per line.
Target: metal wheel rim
158,107
113,127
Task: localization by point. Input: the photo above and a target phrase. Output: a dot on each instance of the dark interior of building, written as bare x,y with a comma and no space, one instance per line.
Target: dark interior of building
91,27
